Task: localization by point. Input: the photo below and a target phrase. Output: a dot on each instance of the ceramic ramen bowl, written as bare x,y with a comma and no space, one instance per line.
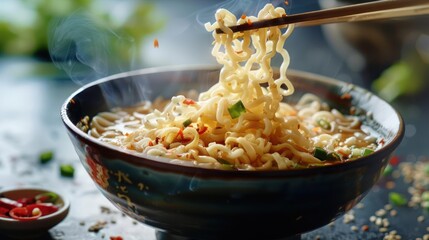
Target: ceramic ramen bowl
187,202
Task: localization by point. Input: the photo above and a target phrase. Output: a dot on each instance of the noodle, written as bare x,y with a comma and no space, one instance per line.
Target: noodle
241,122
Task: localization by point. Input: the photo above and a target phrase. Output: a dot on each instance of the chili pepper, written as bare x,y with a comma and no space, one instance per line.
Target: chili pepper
202,130
188,101
45,208
23,214
9,203
3,212
26,201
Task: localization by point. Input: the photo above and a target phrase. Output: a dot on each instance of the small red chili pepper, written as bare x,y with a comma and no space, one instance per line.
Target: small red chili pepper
188,101
3,212
116,238
180,134
23,214
394,160
202,129
45,208
9,203
26,201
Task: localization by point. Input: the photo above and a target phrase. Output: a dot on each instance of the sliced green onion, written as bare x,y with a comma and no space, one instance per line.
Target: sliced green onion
66,170
187,122
397,199
223,161
388,170
324,124
225,164
356,152
333,156
48,197
46,157
237,109
320,154
367,152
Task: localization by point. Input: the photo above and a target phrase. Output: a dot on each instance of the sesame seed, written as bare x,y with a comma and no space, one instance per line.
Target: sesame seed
382,229
380,213
354,228
420,218
393,212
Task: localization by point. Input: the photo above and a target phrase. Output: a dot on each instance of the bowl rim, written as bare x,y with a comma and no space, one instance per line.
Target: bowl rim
64,208
164,164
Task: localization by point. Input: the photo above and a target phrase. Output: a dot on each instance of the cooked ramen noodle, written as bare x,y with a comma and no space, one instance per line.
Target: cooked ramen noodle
241,122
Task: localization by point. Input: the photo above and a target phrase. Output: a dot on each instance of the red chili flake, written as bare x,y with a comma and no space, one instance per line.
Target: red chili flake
188,101
243,16
72,101
156,43
287,2
249,22
150,143
157,140
180,133
116,238
346,96
365,228
202,130
394,160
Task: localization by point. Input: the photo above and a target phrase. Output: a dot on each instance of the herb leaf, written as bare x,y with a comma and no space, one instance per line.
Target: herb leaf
236,110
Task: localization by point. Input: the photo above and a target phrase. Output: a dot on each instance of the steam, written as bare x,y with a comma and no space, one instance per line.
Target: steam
86,51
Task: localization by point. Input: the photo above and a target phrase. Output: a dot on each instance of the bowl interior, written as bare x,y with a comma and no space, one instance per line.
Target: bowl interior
130,88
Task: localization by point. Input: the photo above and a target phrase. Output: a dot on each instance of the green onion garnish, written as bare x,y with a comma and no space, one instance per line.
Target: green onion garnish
367,152
48,197
320,154
187,122
223,161
46,157
225,165
397,199
237,109
388,170
333,156
66,170
324,124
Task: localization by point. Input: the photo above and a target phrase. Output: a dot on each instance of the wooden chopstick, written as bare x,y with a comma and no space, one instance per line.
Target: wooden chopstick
381,9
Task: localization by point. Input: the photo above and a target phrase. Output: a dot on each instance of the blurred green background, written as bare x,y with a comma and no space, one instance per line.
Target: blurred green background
388,57
24,24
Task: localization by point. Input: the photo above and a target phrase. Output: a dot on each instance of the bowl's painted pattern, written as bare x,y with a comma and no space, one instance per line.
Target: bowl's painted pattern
216,204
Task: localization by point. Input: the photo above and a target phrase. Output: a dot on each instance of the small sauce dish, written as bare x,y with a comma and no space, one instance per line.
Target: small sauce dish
32,227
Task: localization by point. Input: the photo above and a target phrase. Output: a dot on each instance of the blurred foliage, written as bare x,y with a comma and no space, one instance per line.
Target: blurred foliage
406,77
31,37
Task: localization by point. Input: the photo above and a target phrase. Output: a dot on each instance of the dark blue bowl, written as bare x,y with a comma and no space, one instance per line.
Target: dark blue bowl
197,203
